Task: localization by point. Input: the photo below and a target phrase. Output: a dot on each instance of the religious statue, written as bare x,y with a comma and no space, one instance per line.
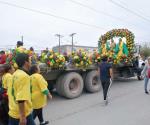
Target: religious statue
104,47
121,48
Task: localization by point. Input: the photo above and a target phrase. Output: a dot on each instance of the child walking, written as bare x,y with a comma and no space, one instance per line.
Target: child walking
39,93
6,75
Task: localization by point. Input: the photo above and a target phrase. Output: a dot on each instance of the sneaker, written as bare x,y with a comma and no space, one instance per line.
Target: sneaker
105,102
44,123
146,92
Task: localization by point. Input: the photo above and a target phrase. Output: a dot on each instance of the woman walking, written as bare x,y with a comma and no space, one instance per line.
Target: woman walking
146,74
105,72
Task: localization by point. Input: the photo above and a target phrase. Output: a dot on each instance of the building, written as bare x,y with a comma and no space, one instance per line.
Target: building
67,49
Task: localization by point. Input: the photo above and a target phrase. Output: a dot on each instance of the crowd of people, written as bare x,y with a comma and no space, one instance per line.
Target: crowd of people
23,92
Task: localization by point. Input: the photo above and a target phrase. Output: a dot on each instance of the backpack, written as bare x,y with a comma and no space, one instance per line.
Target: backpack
148,72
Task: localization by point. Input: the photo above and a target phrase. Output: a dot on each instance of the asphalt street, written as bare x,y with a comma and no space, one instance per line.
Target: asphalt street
128,105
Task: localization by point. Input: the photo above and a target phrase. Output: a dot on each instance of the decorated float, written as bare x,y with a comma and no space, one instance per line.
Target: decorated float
69,74
121,54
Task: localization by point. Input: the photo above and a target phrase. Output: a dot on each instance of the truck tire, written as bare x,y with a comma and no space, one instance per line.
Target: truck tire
72,85
59,85
92,82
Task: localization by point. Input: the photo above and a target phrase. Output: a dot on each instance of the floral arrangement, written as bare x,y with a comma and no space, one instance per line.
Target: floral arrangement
11,58
11,55
121,53
95,57
80,59
53,60
122,60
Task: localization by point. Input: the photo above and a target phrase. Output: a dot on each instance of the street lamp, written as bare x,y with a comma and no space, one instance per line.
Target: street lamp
59,36
72,40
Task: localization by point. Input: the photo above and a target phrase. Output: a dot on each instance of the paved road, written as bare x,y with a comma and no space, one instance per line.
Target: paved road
129,105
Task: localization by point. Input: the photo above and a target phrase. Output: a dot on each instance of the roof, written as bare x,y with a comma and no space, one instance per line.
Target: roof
75,46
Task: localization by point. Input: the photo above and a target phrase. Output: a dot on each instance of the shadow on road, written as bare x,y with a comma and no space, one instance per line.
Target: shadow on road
121,82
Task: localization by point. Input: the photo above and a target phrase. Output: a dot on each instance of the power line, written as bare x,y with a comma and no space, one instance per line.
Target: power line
52,15
130,11
122,2
103,12
97,11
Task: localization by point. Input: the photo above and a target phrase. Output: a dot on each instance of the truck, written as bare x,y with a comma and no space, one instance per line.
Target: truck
71,81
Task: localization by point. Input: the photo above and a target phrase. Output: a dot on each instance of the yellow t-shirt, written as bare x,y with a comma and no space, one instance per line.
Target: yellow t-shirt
39,84
19,90
6,79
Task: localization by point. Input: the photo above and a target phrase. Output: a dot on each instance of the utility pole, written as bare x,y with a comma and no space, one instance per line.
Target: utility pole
22,38
72,40
59,36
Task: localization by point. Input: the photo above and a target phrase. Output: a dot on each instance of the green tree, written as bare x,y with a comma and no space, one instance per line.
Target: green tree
145,50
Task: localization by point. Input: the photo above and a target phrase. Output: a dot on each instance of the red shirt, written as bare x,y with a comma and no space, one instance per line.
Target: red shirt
2,58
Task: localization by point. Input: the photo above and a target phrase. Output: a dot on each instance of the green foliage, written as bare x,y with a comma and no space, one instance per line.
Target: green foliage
145,50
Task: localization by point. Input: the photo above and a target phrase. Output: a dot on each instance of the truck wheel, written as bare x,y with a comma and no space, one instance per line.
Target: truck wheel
72,85
92,83
59,85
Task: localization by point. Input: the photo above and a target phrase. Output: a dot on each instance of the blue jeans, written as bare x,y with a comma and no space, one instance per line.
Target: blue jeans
146,79
13,121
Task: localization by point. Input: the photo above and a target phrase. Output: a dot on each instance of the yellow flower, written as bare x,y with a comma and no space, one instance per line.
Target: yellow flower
90,62
60,66
45,56
51,64
76,57
84,58
76,64
51,56
81,63
51,51
57,60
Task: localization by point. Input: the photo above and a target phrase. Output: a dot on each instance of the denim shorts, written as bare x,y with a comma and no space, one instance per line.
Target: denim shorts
13,121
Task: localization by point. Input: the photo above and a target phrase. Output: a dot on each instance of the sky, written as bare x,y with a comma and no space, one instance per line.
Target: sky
39,20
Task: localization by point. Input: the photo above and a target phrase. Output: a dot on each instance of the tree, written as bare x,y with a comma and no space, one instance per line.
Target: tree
145,50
